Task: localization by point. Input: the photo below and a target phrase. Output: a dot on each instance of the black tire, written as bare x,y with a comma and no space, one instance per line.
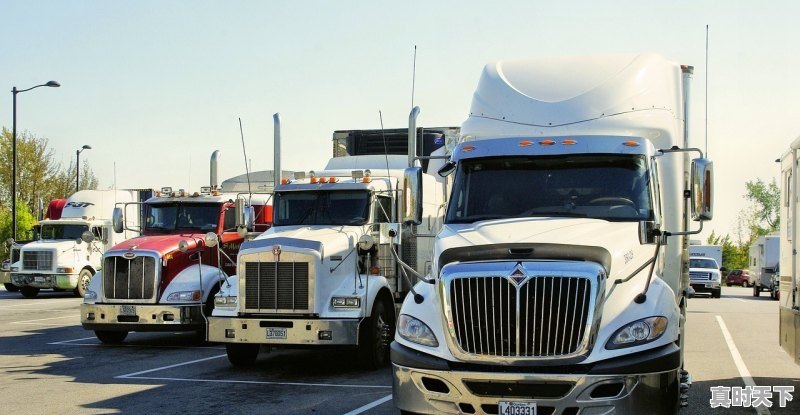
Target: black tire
756,291
111,337
11,287
374,336
717,293
83,282
242,354
29,292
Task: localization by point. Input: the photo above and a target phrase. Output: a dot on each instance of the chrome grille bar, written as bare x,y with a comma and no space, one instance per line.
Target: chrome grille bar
542,316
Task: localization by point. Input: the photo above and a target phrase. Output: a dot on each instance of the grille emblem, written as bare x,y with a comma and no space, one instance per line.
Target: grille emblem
276,252
518,275
129,255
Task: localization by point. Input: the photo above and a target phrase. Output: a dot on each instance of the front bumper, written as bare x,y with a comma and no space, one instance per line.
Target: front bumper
38,280
602,388
298,331
113,317
705,286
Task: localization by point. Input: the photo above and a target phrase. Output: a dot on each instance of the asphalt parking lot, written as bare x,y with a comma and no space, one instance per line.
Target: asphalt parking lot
49,364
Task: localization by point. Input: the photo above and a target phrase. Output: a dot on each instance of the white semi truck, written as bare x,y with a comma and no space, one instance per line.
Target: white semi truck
327,273
764,261
69,250
789,269
560,277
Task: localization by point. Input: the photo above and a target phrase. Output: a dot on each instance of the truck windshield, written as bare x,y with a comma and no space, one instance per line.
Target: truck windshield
602,186
337,207
187,216
703,263
62,231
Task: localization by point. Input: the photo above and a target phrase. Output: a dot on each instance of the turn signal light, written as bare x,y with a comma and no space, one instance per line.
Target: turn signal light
284,181
547,142
631,143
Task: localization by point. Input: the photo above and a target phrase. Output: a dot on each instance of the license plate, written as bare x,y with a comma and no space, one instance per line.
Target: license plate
38,279
516,408
276,333
127,310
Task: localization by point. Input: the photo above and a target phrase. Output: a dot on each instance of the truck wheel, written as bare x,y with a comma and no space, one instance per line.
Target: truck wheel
111,337
11,287
29,292
374,337
83,282
717,293
756,291
242,354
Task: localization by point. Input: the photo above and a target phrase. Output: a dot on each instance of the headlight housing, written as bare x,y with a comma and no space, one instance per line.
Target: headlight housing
64,270
14,269
416,331
185,296
224,301
638,332
90,295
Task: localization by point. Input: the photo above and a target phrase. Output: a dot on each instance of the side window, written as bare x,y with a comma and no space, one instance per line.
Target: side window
383,209
229,223
98,233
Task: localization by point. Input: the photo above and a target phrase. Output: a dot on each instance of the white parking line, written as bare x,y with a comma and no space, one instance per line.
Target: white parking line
258,382
737,359
136,375
168,367
43,319
370,405
73,340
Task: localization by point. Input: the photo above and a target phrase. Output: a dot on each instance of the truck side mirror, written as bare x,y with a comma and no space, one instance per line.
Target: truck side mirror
87,237
245,216
412,195
118,220
702,190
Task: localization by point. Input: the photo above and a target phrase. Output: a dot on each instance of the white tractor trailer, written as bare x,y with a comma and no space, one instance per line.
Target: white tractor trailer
560,276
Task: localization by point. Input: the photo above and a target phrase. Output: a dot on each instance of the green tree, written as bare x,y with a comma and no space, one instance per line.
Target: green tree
39,175
25,222
734,255
765,210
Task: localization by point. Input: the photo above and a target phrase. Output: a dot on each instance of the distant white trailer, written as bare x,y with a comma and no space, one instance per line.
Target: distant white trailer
707,251
764,260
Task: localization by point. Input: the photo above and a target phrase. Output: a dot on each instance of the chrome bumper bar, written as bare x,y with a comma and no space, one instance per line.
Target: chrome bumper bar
137,317
305,332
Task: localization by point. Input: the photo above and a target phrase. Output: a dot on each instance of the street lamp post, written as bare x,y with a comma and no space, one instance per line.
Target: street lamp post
78,166
14,92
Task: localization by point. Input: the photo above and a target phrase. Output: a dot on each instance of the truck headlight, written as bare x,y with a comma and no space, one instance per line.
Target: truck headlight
90,295
416,331
224,301
638,332
346,302
14,269
64,270
185,296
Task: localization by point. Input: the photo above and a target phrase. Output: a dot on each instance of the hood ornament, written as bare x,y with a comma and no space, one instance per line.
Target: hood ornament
518,276
276,253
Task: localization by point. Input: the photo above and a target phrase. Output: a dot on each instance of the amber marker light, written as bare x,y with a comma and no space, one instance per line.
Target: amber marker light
525,143
569,142
631,143
547,142
284,181
467,149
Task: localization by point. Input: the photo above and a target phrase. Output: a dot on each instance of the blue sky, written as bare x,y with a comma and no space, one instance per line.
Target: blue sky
156,86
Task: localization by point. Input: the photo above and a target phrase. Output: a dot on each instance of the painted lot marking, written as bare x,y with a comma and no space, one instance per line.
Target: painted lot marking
737,359
137,375
370,405
35,322
73,342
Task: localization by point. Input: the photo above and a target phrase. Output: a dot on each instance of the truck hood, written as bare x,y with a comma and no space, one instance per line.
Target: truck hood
162,244
326,239
619,239
65,249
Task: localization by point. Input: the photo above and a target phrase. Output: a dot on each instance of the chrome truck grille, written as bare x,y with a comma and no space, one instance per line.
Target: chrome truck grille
521,314
37,260
130,279
700,276
277,286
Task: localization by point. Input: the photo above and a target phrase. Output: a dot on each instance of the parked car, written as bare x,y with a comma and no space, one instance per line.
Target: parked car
738,277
